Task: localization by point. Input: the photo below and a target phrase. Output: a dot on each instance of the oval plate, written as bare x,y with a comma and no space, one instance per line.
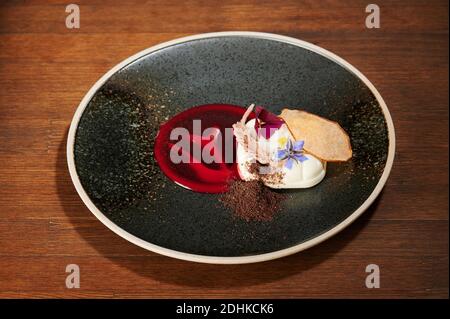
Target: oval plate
110,141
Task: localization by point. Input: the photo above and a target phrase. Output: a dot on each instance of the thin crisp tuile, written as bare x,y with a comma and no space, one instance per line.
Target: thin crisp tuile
323,138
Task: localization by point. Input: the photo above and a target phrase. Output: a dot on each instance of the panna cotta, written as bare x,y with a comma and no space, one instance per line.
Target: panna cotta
302,172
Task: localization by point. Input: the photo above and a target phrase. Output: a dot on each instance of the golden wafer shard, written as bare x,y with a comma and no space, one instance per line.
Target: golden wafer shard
323,138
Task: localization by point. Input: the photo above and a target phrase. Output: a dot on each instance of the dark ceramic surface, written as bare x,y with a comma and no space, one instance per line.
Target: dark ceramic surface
114,140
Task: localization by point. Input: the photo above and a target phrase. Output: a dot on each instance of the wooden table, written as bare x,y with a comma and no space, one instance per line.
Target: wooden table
45,70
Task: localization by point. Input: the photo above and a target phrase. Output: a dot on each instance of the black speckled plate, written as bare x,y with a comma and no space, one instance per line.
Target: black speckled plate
110,144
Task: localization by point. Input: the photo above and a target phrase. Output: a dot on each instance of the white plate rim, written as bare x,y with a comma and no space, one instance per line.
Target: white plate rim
219,259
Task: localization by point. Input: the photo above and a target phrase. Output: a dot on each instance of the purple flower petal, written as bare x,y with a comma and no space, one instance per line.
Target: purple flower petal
281,154
289,163
300,157
298,145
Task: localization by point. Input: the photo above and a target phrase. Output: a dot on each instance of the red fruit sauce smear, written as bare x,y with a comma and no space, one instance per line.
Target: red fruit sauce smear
200,176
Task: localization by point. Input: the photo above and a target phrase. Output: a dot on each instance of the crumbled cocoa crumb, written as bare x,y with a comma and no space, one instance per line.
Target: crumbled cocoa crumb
252,201
254,167
269,177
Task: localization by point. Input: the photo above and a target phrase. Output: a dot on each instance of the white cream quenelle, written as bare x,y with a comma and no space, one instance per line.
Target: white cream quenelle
274,171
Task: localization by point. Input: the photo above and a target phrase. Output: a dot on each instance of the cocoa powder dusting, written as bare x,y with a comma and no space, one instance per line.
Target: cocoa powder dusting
252,201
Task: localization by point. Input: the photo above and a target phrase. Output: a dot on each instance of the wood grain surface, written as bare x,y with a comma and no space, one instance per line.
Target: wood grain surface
45,70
